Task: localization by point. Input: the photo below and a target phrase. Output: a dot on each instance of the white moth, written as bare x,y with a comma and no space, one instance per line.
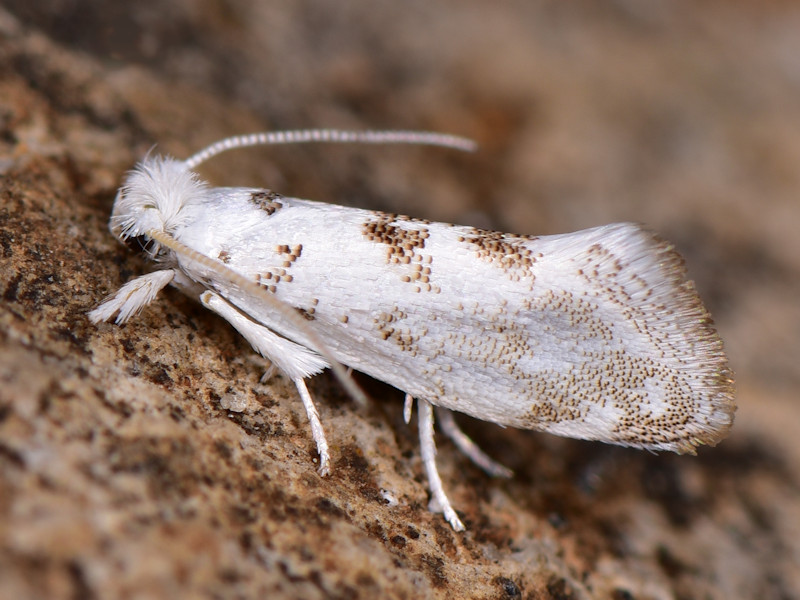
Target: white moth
594,335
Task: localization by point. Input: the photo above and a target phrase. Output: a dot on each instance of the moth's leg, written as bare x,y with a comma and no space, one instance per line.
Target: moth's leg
293,359
439,501
451,429
297,361
317,432
132,297
407,408
269,373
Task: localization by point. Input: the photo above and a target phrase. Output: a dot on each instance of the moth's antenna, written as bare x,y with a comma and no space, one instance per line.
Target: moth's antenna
300,136
283,309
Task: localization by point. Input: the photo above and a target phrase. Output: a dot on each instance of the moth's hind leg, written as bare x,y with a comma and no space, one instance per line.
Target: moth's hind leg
463,442
439,501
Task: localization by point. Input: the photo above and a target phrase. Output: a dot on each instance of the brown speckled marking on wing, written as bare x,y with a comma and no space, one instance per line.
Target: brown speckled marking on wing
506,251
404,246
266,200
270,278
613,380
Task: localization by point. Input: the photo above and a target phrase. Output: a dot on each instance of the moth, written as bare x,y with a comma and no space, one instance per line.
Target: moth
596,334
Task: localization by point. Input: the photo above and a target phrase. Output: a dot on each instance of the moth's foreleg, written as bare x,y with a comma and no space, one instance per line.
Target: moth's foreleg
132,297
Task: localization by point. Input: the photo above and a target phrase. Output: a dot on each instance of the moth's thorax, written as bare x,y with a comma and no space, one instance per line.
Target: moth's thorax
155,196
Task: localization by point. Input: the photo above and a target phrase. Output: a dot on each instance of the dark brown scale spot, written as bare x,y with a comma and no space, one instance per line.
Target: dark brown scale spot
291,254
307,314
393,230
505,250
266,200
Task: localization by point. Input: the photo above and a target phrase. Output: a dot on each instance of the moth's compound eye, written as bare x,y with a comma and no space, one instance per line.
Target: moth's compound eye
137,243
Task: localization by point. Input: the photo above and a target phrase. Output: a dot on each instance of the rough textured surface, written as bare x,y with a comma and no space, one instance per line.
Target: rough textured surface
147,461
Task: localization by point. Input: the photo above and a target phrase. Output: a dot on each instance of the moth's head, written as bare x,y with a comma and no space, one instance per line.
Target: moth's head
153,197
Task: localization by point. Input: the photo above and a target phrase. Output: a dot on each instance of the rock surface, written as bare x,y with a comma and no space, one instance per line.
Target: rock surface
147,461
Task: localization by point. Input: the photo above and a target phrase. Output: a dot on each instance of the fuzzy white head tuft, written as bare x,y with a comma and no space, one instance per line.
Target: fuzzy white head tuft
153,197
